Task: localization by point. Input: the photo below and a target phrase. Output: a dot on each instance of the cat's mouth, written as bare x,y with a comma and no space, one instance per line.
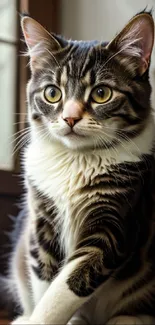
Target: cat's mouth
73,132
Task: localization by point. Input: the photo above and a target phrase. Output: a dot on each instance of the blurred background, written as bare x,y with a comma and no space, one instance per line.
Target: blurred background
76,19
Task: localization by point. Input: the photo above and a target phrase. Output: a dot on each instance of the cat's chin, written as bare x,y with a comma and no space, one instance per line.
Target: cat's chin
74,141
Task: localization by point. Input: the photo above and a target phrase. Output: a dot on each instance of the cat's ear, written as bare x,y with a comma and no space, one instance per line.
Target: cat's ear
38,39
133,45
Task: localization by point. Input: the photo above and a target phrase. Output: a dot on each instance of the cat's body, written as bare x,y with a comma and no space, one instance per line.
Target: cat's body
76,172
88,240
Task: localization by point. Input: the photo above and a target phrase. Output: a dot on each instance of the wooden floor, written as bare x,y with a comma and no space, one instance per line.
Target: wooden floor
4,318
4,321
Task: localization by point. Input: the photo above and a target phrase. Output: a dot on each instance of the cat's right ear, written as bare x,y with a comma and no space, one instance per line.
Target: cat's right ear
133,45
38,40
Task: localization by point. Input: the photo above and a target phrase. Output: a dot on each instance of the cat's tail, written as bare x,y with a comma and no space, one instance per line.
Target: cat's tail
7,297
5,291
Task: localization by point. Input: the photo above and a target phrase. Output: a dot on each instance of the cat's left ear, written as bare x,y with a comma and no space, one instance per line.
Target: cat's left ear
39,41
134,44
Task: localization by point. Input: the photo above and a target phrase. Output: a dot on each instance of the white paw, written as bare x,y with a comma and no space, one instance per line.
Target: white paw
77,321
125,320
21,320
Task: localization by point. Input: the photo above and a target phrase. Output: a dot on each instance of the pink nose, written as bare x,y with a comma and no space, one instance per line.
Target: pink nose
72,112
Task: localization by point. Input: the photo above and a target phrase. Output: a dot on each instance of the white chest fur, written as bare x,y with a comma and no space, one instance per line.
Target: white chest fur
60,173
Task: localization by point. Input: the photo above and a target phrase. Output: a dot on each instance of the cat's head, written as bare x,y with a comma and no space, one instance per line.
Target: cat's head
89,94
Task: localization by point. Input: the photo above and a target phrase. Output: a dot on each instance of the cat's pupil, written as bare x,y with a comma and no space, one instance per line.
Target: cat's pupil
100,92
52,93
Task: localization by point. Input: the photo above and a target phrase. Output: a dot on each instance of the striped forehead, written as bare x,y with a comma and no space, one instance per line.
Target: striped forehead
80,70
66,74
87,78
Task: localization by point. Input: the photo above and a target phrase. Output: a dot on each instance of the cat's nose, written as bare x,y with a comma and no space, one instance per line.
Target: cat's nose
72,112
71,121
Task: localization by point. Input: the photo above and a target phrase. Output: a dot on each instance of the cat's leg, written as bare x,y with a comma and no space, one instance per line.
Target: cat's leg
59,302
42,250
71,288
21,320
21,277
146,319
78,319
132,320
38,288
43,246
90,266
19,269
38,270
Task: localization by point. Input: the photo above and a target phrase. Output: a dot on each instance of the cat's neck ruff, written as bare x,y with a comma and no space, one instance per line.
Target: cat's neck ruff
55,169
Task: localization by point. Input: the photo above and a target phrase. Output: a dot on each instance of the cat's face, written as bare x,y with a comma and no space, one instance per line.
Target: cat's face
90,94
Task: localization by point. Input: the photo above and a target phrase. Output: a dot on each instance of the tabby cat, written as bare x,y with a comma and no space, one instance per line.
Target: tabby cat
86,250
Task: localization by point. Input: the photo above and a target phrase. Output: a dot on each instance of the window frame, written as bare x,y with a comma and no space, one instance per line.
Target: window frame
10,183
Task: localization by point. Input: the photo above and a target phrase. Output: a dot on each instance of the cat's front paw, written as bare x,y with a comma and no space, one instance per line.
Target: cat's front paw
21,320
77,321
125,320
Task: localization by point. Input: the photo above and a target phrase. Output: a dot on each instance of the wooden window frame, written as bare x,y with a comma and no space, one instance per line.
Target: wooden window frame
48,16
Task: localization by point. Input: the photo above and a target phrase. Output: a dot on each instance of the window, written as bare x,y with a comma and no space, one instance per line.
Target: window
13,79
8,79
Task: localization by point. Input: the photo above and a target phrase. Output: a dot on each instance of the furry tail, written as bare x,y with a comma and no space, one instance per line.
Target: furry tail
5,291
7,299
8,290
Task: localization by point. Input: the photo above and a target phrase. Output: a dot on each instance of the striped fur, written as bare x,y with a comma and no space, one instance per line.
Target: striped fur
89,235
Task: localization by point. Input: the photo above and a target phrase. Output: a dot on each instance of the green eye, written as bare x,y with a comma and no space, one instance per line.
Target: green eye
101,94
52,94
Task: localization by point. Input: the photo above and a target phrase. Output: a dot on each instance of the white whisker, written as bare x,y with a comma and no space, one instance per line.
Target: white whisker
52,55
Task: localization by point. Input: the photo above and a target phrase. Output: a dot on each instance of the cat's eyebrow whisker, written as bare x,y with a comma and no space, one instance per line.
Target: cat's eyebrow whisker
127,46
111,57
49,71
52,55
46,61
